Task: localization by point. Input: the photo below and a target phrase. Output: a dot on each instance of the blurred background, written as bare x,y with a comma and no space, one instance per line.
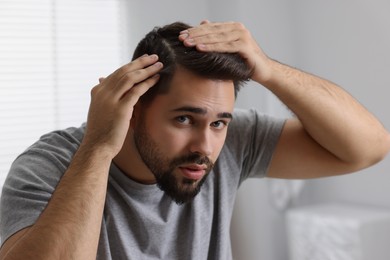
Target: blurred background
52,53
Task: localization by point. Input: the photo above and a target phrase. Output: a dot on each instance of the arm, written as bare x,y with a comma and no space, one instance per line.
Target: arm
333,133
69,227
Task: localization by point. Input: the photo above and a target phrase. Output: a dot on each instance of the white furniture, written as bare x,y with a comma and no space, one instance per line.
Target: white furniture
338,232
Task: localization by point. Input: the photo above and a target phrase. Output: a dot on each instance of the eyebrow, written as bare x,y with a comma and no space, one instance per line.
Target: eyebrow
202,111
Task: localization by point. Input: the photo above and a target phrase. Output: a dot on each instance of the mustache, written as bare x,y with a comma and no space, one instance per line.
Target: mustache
193,158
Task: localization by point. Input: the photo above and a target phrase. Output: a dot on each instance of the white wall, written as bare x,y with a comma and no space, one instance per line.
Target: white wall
143,16
348,42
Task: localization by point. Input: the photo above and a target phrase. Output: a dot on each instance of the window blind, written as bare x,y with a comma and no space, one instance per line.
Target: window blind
52,53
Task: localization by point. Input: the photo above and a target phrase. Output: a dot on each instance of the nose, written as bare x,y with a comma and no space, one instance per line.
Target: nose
202,142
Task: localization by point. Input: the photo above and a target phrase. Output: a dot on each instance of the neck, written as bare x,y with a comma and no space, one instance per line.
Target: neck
129,161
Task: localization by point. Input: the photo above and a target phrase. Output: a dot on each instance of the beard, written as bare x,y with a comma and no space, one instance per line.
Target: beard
180,189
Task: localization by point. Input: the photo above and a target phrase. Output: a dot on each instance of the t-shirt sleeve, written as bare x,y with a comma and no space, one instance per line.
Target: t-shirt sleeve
31,182
252,138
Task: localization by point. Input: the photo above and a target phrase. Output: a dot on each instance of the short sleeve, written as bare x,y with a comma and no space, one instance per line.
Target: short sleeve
252,138
32,180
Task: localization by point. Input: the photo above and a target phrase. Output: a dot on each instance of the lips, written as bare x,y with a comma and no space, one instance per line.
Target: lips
193,171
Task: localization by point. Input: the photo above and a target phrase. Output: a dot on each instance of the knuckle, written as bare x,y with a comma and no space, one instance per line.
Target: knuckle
135,74
218,26
141,88
234,45
124,69
128,76
240,26
224,34
247,35
94,90
137,90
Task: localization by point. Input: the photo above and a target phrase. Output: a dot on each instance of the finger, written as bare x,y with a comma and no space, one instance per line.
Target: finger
139,63
214,33
131,97
223,37
186,33
226,47
208,27
132,78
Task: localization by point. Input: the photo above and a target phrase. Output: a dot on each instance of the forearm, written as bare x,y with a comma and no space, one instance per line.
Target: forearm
330,115
69,227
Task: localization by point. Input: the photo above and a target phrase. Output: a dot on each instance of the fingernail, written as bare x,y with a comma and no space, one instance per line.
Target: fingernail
190,41
158,64
184,35
154,56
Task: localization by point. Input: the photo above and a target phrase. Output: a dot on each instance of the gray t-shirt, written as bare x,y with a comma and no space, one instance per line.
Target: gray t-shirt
140,221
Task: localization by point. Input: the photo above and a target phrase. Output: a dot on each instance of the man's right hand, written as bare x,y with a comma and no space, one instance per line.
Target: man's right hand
113,101
79,197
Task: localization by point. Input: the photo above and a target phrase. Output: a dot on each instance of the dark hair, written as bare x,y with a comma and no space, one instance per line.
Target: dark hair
164,41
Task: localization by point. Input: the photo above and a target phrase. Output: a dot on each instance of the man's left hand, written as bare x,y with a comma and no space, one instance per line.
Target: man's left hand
230,37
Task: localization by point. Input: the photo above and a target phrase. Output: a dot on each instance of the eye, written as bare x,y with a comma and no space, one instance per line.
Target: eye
185,120
219,124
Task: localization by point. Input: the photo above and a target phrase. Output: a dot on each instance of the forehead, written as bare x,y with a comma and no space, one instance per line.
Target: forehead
189,89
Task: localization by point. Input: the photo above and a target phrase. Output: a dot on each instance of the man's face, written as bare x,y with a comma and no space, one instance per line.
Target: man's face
180,134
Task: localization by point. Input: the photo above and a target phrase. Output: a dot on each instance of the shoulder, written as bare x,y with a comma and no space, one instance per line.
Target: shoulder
250,142
49,157
60,144
248,125
68,138
33,177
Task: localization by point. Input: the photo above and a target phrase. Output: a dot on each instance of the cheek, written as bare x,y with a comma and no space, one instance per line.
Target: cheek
219,142
171,142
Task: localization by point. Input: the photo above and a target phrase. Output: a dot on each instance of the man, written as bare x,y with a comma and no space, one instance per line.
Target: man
141,179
